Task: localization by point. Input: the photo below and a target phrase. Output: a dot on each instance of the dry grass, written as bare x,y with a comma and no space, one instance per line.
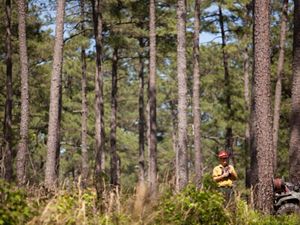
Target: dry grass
74,205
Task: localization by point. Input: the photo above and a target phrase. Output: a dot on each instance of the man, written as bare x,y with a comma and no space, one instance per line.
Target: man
224,174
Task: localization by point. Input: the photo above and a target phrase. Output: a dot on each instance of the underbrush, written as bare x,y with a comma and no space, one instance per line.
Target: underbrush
79,206
191,207
247,216
14,208
206,207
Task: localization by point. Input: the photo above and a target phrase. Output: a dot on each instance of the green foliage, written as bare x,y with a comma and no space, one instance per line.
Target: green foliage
13,206
77,206
206,206
208,183
245,215
193,206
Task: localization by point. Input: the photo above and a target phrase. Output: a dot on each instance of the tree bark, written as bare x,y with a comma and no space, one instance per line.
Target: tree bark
7,156
196,96
53,144
99,105
84,105
23,143
152,103
279,78
294,151
114,160
182,178
229,116
262,107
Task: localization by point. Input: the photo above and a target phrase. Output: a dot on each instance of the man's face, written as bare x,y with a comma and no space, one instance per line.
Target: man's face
224,161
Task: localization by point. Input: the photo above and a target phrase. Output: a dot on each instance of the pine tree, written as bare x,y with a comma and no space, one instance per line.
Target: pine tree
53,145
262,107
196,96
23,143
152,103
182,160
99,104
294,155
84,116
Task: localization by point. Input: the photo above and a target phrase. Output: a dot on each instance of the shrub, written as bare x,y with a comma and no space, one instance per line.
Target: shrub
191,207
208,183
13,205
247,216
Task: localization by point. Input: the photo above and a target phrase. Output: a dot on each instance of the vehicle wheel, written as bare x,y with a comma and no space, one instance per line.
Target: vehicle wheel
288,208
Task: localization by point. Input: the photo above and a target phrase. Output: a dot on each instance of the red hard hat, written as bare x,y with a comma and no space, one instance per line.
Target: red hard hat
223,154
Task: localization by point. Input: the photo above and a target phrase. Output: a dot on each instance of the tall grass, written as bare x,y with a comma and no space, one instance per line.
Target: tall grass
74,205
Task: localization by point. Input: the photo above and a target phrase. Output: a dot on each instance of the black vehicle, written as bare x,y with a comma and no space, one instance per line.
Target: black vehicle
286,197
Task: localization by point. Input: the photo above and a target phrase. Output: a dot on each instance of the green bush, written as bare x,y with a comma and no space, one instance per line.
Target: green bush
208,183
206,206
13,205
246,216
191,207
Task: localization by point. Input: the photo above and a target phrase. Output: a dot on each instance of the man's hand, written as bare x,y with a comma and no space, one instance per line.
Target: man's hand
232,172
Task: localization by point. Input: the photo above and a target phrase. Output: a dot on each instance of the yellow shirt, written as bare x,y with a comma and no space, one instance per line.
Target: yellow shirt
226,181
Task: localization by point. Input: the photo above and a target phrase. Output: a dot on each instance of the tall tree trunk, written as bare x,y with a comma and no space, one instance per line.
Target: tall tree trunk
84,105
99,105
23,143
262,108
279,78
152,103
141,116
114,160
7,156
182,179
53,144
294,152
196,96
229,116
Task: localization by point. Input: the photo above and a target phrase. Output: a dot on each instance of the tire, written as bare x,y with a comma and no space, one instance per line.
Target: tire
288,208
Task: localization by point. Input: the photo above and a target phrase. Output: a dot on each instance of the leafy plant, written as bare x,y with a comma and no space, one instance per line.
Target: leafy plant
13,206
191,207
247,216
